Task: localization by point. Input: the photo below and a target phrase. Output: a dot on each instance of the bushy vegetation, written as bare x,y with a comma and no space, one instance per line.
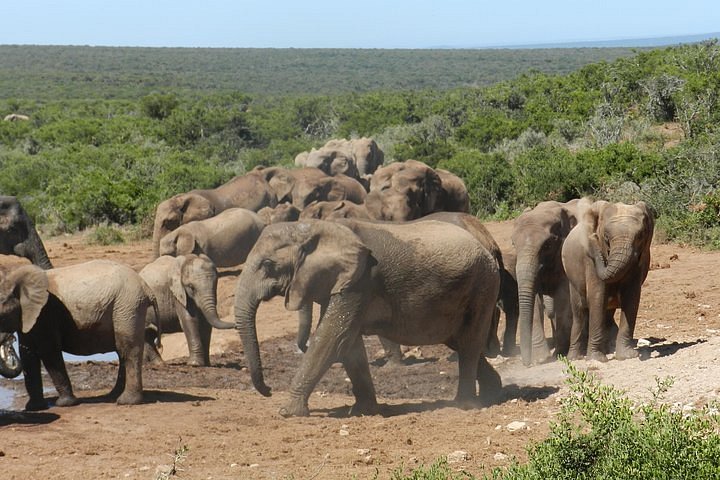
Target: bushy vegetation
635,128
600,433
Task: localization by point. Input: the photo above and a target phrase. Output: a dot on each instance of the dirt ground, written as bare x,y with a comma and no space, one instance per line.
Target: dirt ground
230,431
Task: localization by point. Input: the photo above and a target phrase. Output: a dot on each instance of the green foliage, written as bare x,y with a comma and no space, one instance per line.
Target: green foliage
602,434
105,235
440,470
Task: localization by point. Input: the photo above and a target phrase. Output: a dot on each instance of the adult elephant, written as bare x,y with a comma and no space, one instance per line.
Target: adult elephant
18,236
250,191
89,308
283,212
333,210
538,236
365,275
607,258
404,191
226,238
302,186
186,291
356,158
454,196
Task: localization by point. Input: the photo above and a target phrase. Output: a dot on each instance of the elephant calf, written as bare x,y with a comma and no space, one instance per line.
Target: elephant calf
186,292
84,309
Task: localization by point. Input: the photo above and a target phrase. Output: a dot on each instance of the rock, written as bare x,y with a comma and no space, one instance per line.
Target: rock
516,425
363,451
642,342
500,456
458,456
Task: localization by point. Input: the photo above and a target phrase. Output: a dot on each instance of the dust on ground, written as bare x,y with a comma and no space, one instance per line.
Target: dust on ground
231,431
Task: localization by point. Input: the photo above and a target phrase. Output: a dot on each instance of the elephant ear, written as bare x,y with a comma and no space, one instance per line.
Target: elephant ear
282,183
31,284
185,243
330,258
176,287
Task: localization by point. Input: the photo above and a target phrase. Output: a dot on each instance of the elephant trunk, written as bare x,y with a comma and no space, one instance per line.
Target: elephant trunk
10,366
158,233
208,307
621,255
38,254
247,302
527,272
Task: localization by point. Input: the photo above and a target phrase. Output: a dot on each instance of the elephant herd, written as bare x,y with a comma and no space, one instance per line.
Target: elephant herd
387,250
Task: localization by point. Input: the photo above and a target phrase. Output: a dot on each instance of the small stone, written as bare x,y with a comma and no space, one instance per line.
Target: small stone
516,425
642,342
233,465
500,457
344,433
363,451
254,465
458,456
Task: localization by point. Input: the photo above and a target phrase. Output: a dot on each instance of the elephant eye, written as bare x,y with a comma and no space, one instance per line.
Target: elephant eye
267,264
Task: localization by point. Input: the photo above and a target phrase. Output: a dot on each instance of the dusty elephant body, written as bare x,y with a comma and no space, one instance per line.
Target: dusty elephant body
90,308
355,158
607,258
226,238
186,291
302,186
335,210
283,212
538,236
249,191
417,284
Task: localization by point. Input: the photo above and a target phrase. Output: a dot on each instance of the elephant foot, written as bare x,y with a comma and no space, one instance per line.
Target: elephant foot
574,355
296,408
510,350
626,353
597,356
365,407
67,401
130,398
467,403
194,362
34,405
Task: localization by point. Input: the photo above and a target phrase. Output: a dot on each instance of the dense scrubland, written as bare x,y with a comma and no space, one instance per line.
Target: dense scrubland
113,131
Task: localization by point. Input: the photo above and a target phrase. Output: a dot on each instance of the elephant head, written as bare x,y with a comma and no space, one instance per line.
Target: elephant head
23,294
454,197
284,212
178,210
618,235
193,283
18,235
333,158
334,210
306,261
538,236
404,191
367,154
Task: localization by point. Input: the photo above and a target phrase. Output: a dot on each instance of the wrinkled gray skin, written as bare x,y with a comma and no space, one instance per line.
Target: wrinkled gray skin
186,291
284,212
355,158
18,236
334,210
607,258
404,191
250,191
366,278
89,308
226,238
538,236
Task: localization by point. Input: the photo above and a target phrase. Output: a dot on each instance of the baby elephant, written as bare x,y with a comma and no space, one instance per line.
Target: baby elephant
186,292
90,308
226,238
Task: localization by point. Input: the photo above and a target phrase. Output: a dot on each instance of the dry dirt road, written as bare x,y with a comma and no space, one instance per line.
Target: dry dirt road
231,432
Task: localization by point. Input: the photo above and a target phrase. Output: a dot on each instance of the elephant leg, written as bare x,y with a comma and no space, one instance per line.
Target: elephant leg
612,329
33,378
190,324
493,343
55,366
579,326
151,355
356,365
630,301
205,338
334,335
597,329
540,349
470,355
392,351
129,381
489,382
509,305
562,320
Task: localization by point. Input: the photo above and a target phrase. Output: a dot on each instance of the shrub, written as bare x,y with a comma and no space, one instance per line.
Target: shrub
158,106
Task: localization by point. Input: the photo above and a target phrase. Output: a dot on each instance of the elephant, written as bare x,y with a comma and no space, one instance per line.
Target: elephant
250,191
607,258
538,236
356,158
417,284
84,309
18,236
302,186
334,210
226,238
454,196
283,212
186,291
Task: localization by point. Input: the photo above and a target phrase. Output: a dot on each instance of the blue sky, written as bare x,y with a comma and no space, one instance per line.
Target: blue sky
347,24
